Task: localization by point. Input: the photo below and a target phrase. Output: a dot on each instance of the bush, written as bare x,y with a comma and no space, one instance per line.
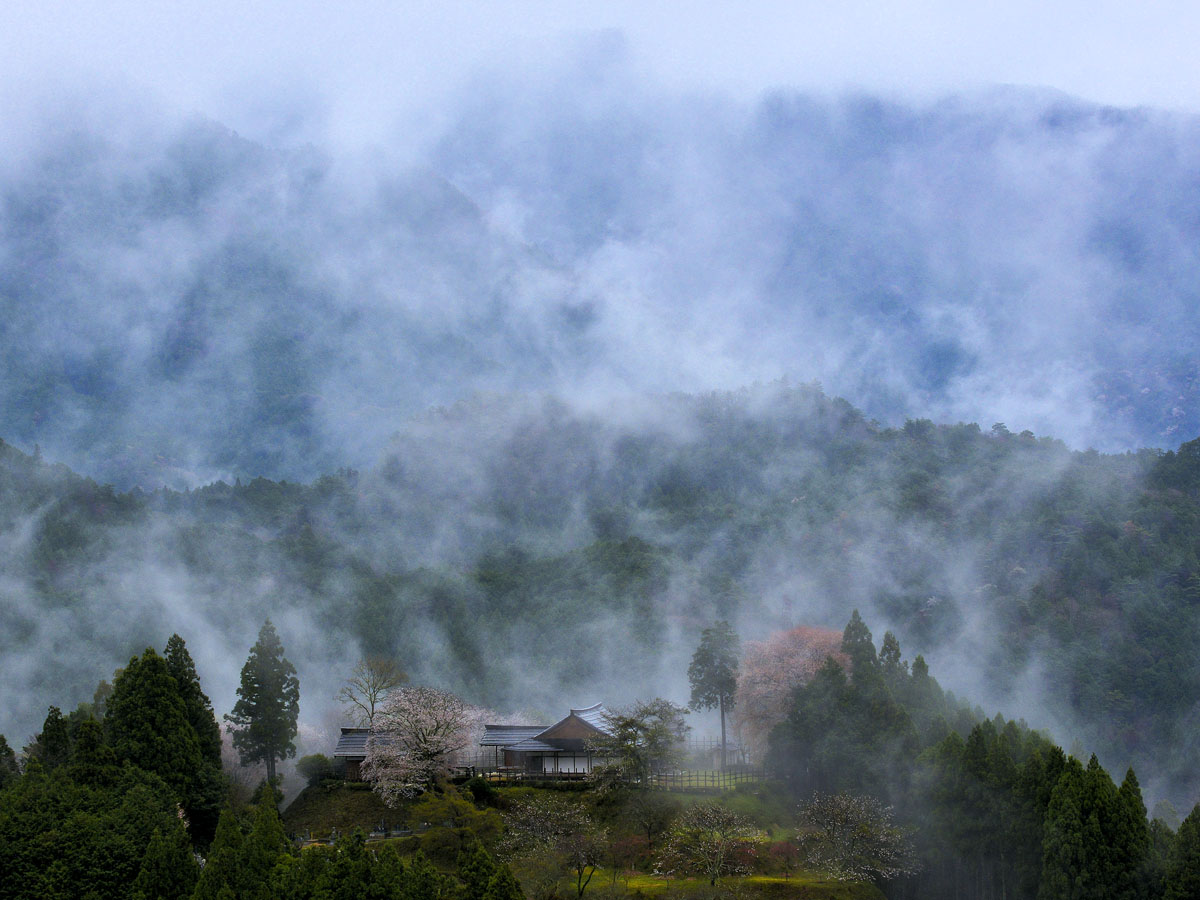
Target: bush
315,768
480,791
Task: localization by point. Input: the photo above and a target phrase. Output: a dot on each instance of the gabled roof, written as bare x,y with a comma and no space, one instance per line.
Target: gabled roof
507,735
352,742
580,724
532,745
570,733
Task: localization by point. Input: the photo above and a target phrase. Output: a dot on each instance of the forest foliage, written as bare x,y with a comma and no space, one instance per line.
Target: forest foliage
1076,573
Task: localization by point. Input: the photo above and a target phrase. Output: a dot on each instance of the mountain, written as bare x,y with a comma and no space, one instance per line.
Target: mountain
179,304
520,549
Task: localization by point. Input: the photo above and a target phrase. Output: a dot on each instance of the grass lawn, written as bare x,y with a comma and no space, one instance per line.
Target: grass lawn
761,887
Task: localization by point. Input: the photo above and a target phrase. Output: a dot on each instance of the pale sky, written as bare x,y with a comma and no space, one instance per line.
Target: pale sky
363,61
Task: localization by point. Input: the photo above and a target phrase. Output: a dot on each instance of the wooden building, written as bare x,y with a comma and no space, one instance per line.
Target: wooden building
559,748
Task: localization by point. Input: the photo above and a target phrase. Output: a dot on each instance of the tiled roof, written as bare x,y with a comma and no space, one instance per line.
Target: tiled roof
507,735
593,715
532,746
353,742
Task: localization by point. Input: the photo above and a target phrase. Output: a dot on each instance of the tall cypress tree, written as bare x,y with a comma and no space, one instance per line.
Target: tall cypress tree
268,704
53,745
147,724
9,770
199,709
476,869
713,673
169,869
1131,841
1183,863
858,645
223,869
1064,856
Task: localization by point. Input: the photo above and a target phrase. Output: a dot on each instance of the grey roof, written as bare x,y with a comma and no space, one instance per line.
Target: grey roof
353,742
533,746
507,735
593,715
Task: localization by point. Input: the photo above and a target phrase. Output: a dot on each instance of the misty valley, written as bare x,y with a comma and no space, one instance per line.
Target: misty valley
596,489
514,550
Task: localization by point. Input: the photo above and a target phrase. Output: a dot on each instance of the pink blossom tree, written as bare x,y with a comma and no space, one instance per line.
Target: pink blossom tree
771,670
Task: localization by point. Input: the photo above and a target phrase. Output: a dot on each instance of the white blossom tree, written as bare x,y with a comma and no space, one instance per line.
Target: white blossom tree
853,838
709,840
551,828
418,732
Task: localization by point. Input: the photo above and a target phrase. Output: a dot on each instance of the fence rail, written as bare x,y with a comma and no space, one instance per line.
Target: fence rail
680,780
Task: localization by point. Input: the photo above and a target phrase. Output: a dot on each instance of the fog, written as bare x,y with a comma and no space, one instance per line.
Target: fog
365,245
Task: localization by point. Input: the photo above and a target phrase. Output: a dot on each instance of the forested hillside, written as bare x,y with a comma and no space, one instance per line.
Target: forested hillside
521,550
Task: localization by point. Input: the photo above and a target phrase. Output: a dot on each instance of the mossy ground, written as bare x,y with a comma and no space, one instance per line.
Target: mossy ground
343,806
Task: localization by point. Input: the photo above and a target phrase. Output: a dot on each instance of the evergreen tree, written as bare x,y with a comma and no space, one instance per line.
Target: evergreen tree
53,745
223,867
894,670
1064,856
264,846
169,870
424,881
268,704
147,724
1131,841
858,646
10,771
1183,863
503,886
199,709
92,760
390,872
475,868
713,673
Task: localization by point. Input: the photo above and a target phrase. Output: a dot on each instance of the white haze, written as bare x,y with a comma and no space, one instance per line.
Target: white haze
240,243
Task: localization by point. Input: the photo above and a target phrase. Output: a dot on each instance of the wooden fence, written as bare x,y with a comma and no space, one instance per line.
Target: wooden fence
706,779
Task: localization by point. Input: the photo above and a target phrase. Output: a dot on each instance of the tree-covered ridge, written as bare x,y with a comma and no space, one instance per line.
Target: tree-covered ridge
505,518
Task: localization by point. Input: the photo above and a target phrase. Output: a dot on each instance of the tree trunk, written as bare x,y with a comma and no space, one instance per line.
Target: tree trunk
721,703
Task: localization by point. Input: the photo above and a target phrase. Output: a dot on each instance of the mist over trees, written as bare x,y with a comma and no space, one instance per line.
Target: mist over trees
1061,582
185,304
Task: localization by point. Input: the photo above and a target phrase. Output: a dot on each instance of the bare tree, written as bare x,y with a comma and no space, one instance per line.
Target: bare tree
853,838
373,678
418,732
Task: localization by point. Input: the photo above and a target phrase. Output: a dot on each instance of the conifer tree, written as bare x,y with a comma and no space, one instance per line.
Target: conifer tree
858,646
92,760
223,867
1183,863
53,745
424,881
713,673
475,868
268,704
1131,841
265,844
199,709
169,870
9,770
503,886
147,724
1064,856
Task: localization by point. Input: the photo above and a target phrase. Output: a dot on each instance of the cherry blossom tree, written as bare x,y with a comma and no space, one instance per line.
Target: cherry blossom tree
853,838
770,672
709,840
418,733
